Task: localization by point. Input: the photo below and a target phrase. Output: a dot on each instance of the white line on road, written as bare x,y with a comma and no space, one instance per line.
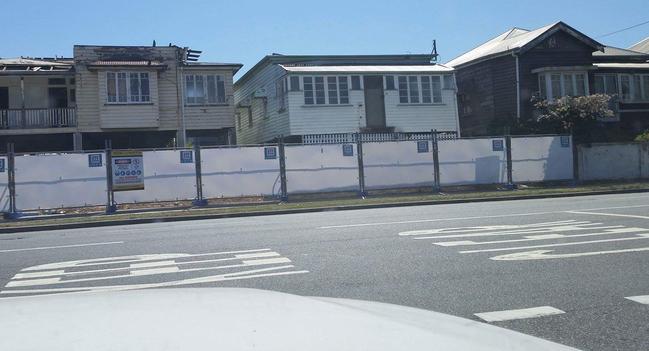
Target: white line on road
639,236
544,254
608,214
533,312
566,228
62,246
643,299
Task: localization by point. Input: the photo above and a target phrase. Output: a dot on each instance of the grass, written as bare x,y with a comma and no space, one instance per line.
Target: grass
316,201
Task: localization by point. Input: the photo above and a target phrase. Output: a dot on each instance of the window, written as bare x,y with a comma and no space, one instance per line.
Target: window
568,87
56,81
280,93
437,89
425,90
389,82
295,83
330,90
625,86
410,87
449,82
204,89
127,87
543,90
606,84
356,83
645,87
555,85
413,88
403,90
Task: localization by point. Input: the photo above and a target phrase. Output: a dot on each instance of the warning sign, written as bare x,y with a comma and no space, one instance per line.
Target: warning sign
128,170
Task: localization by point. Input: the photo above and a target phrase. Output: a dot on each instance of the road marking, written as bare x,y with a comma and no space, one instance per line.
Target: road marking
608,214
643,299
521,231
543,254
638,237
150,264
43,281
507,315
541,237
62,246
153,271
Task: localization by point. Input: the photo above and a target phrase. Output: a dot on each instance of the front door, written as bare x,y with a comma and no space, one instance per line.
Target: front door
4,98
58,97
374,102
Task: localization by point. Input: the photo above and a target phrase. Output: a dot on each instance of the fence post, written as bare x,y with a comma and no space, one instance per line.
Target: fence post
199,201
437,184
11,180
111,207
361,167
282,169
508,153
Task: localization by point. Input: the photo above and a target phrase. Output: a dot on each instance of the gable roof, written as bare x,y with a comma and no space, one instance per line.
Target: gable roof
519,40
642,46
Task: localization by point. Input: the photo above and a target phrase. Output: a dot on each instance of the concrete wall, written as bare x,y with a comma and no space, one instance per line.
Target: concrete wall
613,161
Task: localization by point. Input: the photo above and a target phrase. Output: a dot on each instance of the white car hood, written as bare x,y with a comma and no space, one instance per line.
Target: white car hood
239,319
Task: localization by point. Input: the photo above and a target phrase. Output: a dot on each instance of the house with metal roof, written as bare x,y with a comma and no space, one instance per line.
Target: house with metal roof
135,96
324,98
497,80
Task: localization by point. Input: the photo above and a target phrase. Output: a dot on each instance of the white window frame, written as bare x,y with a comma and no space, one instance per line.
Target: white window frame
141,98
220,97
435,99
549,93
327,102
641,96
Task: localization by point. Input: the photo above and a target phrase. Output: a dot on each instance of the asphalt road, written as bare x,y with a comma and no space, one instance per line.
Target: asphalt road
579,259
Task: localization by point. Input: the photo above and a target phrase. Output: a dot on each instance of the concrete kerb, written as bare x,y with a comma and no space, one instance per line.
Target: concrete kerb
22,229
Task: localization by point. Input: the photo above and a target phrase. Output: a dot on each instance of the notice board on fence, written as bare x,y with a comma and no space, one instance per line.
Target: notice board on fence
128,170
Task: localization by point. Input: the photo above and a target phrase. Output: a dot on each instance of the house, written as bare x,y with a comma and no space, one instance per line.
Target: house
136,96
313,99
497,80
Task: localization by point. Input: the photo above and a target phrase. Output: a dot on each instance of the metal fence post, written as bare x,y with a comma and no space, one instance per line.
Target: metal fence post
361,167
437,184
11,180
199,201
282,169
111,207
508,153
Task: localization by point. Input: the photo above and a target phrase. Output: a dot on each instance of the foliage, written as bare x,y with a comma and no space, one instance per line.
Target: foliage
644,136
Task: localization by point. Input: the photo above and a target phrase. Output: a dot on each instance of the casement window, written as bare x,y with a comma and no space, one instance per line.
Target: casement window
553,85
334,91
389,83
449,82
606,84
356,82
295,83
127,87
281,91
420,89
627,86
204,89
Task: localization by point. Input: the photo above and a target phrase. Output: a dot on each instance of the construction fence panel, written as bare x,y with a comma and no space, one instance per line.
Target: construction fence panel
321,168
398,164
536,159
472,161
59,180
241,171
165,179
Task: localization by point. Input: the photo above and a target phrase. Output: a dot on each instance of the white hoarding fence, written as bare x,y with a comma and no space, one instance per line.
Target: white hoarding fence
542,158
398,164
321,168
472,161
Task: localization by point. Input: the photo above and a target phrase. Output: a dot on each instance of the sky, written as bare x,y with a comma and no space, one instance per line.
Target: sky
245,31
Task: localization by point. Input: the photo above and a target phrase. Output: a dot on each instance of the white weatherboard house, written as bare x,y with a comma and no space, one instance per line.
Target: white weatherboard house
313,99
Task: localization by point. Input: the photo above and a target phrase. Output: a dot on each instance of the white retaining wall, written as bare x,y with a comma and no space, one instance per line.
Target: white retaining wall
613,161
319,168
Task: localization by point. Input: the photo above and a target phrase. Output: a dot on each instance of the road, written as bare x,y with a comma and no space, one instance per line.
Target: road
572,270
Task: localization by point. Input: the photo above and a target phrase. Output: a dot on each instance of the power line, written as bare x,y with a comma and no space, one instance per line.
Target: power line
622,30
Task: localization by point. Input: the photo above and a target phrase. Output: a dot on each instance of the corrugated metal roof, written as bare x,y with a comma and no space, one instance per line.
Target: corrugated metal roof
30,62
613,51
367,69
623,65
642,46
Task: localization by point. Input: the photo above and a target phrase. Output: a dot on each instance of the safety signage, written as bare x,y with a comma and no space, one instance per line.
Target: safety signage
348,150
565,141
128,170
270,153
94,160
2,165
422,146
186,156
497,145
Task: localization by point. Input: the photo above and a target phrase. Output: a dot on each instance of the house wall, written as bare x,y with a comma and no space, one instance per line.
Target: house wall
421,118
36,91
267,122
140,115
212,116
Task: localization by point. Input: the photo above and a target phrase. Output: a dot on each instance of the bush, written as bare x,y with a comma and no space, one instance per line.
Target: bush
644,136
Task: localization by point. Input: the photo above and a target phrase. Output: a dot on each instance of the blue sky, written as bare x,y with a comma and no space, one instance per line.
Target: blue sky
244,31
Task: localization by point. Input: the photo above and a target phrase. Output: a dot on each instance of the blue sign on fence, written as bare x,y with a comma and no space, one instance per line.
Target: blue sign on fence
497,145
186,156
422,146
94,160
2,165
270,153
565,141
348,150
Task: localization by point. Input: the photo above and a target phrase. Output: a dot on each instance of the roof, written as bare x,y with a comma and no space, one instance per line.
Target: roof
623,65
613,51
35,65
125,63
337,60
365,69
641,46
234,66
518,39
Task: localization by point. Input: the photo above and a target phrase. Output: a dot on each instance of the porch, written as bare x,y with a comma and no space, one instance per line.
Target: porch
35,118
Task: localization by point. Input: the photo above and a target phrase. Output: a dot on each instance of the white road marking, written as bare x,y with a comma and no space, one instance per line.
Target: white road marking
43,281
643,299
38,274
62,246
150,264
152,271
543,254
533,312
608,214
566,228
541,237
507,227
638,237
